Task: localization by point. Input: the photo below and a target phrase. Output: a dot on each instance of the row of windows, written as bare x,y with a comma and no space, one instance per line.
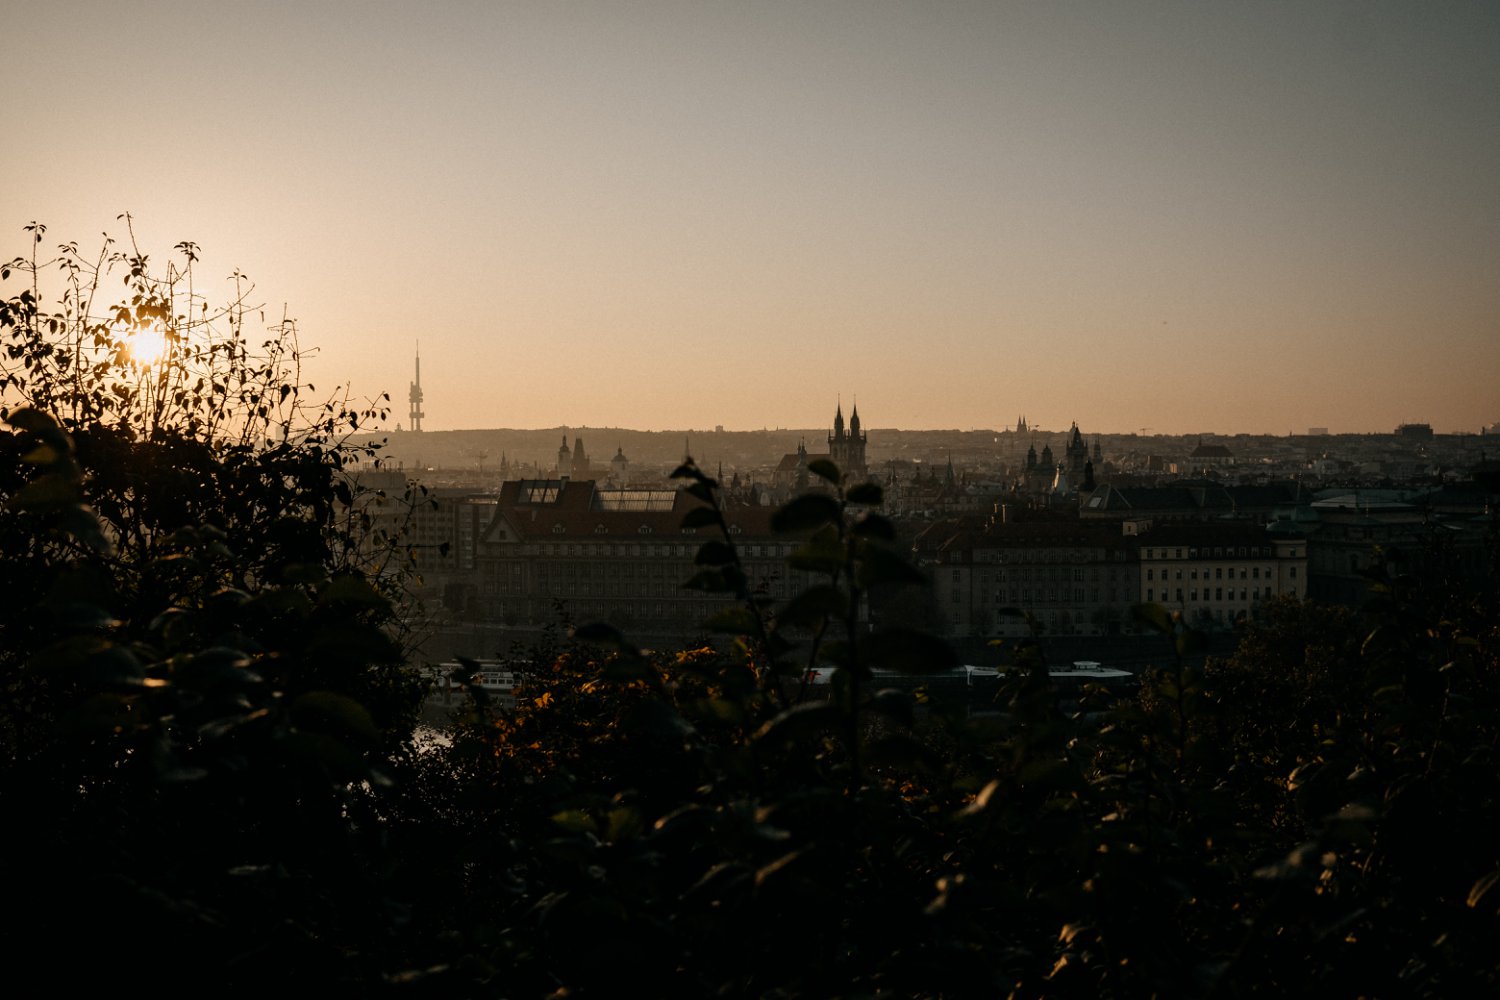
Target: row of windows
1216,552
1217,594
618,549
1050,595
1045,555
1040,575
1253,573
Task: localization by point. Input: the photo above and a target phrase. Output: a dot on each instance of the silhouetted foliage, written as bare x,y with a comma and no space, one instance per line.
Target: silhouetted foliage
207,767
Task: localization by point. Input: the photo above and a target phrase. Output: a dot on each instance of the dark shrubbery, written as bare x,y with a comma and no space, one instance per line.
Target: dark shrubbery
210,783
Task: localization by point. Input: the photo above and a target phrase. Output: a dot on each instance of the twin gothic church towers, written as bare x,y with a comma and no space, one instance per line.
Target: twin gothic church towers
847,449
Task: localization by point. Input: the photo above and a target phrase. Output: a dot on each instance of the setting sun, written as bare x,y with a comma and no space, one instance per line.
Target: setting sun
146,347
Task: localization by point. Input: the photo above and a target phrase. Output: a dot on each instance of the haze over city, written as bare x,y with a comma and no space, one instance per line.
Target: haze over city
1249,218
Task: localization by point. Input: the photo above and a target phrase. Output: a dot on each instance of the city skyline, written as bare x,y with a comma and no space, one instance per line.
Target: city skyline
1185,218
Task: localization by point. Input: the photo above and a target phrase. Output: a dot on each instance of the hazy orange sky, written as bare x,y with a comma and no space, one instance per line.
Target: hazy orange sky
1248,217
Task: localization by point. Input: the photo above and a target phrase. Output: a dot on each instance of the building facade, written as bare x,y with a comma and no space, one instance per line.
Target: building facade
595,553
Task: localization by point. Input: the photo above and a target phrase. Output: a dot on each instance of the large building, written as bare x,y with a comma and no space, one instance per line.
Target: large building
1077,577
1218,573
1071,577
545,546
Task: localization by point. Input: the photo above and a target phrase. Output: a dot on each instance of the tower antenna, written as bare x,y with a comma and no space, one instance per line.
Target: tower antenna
416,394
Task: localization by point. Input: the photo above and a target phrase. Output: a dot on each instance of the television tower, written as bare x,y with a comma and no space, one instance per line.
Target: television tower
416,395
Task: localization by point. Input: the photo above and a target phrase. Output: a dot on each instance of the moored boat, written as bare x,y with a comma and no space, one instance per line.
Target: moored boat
1079,671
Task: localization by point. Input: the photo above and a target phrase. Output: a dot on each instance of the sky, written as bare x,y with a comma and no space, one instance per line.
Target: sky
1186,217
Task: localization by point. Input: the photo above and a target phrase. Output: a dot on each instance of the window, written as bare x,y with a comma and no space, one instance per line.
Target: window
1292,572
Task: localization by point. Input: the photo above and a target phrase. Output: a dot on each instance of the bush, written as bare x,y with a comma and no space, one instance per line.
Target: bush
203,681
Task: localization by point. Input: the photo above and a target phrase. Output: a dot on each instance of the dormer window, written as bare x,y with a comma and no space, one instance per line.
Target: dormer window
558,529
644,529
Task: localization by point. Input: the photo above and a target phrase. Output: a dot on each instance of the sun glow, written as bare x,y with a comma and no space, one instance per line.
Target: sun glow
146,347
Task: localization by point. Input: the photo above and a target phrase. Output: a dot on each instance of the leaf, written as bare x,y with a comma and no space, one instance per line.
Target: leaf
869,494
350,588
337,714
735,621
1480,888
874,526
881,564
824,469
812,605
655,718
893,703
822,553
714,553
42,454
33,420
43,493
901,751
981,801
600,632
796,724
303,572
700,517
1189,641
575,821
79,521
626,667
1155,616
702,490
908,651
811,510
716,580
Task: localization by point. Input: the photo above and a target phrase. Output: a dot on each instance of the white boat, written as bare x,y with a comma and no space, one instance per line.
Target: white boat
1081,671
1088,670
497,678
972,672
